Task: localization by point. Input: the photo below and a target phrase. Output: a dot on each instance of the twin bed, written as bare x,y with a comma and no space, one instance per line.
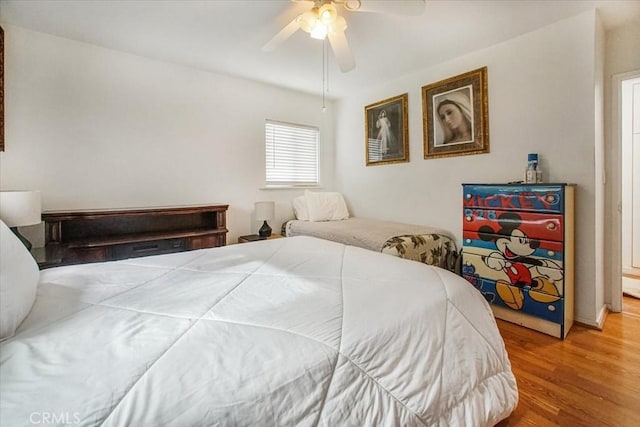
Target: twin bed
325,215
295,331
429,245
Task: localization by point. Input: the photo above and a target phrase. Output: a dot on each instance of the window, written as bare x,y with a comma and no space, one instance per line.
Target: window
291,154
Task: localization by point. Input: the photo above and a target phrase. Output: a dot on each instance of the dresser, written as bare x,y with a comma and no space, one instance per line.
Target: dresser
518,250
82,236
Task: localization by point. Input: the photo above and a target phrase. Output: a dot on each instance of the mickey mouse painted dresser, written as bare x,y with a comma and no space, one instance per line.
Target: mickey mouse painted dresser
518,250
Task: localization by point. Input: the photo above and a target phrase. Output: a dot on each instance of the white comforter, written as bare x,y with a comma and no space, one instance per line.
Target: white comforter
295,331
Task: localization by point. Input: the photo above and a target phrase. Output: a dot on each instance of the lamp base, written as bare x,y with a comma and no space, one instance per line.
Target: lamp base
23,239
265,231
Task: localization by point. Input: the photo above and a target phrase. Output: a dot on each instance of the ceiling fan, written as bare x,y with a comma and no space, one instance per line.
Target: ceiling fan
323,21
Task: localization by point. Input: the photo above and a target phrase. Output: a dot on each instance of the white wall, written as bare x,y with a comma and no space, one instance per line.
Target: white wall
92,128
96,128
541,99
622,57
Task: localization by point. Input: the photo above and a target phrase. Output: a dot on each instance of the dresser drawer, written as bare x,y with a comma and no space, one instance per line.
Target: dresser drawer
202,242
547,249
83,255
521,300
154,247
538,274
534,225
538,198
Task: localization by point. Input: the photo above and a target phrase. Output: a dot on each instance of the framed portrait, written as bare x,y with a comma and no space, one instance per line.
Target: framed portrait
387,131
455,115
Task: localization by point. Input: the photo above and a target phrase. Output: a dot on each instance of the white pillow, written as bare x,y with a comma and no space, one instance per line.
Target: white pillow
19,276
300,208
325,206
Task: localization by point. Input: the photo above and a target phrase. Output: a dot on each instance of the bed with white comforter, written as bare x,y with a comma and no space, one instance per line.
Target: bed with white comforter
296,331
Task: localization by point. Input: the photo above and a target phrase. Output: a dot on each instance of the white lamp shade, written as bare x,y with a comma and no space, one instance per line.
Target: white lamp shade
265,210
18,208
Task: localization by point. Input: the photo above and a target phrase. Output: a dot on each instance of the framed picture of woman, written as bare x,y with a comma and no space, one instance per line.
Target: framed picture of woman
455,115
386,131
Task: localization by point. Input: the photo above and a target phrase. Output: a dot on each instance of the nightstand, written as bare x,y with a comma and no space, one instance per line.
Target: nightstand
255,238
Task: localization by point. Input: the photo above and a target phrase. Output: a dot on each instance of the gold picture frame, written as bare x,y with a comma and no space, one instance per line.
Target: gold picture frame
387,131
455,114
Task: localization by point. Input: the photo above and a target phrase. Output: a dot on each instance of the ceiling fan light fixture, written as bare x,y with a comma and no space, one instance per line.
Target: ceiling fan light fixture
308,21
322,22
327,13
319,32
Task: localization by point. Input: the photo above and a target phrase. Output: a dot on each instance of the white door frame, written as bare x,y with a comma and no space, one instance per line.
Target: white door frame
616,189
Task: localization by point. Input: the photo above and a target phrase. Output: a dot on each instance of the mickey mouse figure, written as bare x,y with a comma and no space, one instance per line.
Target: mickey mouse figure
513,256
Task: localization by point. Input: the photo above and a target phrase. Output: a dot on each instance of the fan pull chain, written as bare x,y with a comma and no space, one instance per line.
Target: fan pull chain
326,49
324,73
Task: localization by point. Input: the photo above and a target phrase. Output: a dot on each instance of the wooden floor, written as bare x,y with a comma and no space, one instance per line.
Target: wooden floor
592,378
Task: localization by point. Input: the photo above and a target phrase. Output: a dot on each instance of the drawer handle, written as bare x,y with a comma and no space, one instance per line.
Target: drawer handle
468,218
551,226
468,240
551,253
147,248
468,196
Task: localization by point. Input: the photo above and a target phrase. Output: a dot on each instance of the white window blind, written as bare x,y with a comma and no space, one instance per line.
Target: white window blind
291,154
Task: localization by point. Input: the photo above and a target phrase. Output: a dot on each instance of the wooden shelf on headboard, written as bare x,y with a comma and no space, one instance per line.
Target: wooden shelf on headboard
104,235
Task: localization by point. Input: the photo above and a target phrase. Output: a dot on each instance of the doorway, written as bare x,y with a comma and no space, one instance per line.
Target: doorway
630,183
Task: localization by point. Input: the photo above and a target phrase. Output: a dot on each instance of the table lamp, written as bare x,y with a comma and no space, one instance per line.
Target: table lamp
264,212
20,208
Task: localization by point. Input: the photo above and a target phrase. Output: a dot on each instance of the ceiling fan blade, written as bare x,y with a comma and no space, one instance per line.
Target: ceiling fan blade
283,35
341,50
395,7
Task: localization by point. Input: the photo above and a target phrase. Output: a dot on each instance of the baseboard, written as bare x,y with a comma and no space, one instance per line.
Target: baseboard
631,272
604,312
599,323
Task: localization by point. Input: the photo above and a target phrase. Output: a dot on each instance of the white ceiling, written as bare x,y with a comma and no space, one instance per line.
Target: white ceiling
226,36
